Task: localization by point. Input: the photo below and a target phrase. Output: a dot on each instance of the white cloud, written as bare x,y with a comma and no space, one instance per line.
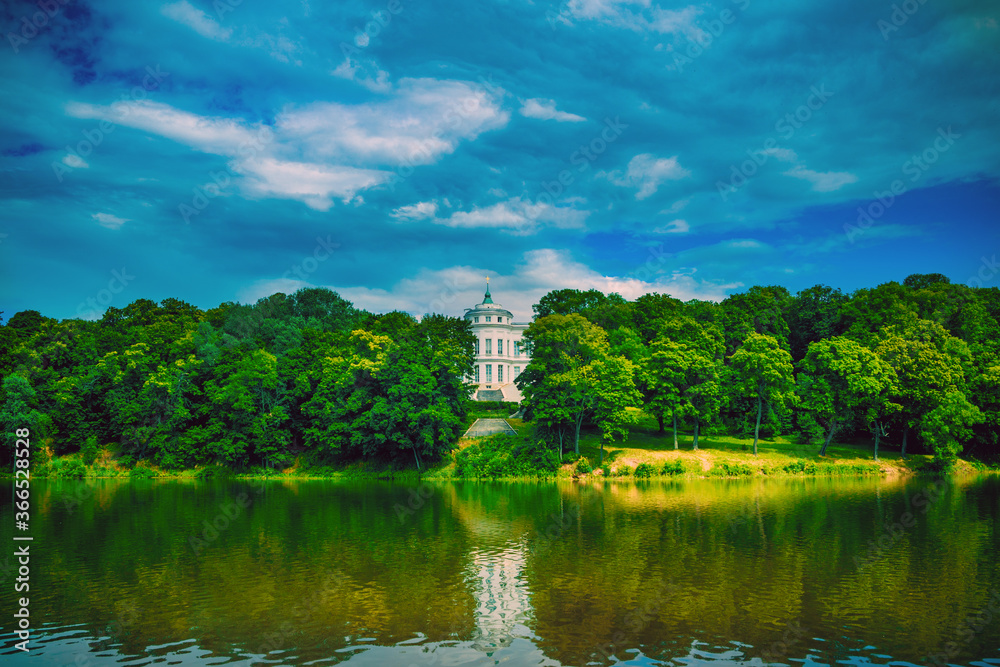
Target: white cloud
782,154
219,136
634,15
313,184
108,220
455,288
184,12
743,243
675,227
647,172
425,119
546,110
678,22
366,73
338,147
517,215
279,47
75,161
419,211
676,206
601,9
823,181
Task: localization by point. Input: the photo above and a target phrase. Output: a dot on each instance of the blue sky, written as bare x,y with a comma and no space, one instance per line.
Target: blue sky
398,151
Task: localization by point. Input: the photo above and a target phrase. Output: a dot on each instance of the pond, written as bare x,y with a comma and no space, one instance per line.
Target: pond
792,571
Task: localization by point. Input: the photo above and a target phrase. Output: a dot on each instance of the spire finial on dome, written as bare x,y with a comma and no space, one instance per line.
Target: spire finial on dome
488,299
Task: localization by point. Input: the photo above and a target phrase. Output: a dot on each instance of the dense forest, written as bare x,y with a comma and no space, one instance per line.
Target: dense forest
308,376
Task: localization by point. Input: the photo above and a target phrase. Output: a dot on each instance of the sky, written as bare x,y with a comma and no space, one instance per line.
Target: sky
400,151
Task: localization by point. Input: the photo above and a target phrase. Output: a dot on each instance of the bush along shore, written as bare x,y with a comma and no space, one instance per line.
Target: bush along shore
645,455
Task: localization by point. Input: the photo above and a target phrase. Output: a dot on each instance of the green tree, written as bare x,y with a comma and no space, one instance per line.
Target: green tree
615,392
573,376
608,311
950,424
17,401
813,314
840,379
682,371
246,399
759,310
625,342
667,372
651,310
928,363
868,311
763,371
380,395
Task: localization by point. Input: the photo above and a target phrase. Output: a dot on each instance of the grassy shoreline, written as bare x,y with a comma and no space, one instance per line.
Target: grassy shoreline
646,454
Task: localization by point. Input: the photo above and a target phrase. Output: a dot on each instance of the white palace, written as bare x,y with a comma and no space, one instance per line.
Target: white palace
500,352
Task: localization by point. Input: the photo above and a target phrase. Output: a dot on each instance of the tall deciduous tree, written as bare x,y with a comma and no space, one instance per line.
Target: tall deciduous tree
683,371
572,375
837,378
759,310
949,424
928,363
813,314
17,401
763,371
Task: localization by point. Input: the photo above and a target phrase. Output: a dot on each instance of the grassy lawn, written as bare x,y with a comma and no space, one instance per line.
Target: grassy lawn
725,455
646,445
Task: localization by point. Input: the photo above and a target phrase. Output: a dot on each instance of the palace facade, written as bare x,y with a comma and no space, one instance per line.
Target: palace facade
500,351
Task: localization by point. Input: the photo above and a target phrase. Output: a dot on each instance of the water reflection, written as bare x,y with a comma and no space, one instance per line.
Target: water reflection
503,604
813,571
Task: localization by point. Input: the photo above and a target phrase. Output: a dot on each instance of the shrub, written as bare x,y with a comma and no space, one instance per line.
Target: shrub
606,470
265,471
505,456
850,469
675,467
731,469
623,471
644,470
937,465
41,462
142,472
571,457
583,466
800,466
90,450
68,469
126,462
212,472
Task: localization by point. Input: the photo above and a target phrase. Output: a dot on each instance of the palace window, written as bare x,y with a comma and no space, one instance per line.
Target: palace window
477,346
499,373
489,346
500,320
489,372
488,318
499,345
476,320
517,348
477,373
517,371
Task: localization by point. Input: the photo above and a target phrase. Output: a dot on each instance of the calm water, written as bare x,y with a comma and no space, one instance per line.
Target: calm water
810,571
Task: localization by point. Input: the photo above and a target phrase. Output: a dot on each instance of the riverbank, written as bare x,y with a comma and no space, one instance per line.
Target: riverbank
646,454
